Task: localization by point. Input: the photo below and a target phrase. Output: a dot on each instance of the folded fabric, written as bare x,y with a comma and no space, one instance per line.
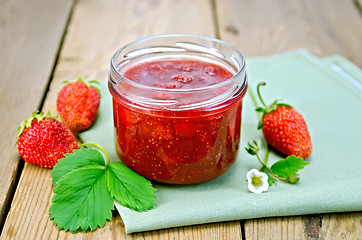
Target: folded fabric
328,92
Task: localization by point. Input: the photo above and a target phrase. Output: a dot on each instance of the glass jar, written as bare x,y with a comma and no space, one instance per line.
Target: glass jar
177,135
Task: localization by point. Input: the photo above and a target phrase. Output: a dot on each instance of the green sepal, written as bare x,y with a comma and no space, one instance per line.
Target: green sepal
259,109
90,83
285,105
94,81
293,178
260,124
253,148
28,122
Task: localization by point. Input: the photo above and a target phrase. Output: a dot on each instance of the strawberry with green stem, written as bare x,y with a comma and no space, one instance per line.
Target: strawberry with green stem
43,140
77,104
284,128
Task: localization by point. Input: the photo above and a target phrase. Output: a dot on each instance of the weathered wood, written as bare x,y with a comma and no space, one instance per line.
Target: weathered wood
269,27
227,230
260,27
326,226
341,226
96,30
275,228
30,35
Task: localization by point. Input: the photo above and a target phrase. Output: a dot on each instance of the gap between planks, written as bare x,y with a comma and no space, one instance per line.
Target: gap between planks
30,40
83,52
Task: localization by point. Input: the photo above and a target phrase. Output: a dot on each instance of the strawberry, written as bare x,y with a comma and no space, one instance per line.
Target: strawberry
78,104
42,140
284,128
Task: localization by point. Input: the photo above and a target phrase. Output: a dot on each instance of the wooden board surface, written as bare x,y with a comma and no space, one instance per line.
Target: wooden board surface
95,32
98,28
260,28
30,35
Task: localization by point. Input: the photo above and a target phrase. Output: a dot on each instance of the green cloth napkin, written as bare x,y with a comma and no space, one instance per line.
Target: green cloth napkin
328,92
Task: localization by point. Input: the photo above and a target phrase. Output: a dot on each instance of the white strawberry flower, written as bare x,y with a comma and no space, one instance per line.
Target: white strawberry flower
257,181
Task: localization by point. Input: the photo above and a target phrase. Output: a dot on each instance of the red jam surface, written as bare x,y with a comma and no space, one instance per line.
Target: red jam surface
177,147
178,74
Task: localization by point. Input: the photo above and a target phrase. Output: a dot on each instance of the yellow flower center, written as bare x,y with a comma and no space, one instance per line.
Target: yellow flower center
255,181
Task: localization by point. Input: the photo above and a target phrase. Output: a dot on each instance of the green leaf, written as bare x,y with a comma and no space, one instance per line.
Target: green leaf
259,109
130,189
82,200
288,167
271,179
80,158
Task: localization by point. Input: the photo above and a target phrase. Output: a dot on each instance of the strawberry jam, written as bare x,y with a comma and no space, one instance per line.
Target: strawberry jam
177,120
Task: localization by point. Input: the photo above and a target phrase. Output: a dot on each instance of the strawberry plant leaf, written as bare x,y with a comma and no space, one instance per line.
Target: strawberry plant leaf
82,200
86,186
80,158
130,189
288,167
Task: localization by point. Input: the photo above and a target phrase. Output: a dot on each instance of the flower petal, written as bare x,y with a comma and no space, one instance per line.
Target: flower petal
264,181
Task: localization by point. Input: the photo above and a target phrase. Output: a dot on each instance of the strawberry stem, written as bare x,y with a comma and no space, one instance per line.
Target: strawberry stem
108,159
258,91
253,98
263,164
266,154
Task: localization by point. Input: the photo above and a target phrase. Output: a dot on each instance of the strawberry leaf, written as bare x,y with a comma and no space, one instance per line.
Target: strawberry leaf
81,200
80,158
287,168
86,186
130,189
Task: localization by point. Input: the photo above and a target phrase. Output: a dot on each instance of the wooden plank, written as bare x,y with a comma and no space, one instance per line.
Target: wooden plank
30,35
275,228
341,226
97,29
261,27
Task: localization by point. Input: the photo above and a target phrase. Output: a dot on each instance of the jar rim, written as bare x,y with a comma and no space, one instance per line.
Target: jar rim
119,76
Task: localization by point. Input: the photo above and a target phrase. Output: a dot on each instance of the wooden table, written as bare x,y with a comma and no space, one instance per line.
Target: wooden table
44,42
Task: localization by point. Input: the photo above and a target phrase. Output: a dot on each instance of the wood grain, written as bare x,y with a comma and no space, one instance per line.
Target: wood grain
30,35
341,226
275,228
96,30
260,27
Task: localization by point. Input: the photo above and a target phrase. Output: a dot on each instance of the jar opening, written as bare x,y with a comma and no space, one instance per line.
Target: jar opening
166,47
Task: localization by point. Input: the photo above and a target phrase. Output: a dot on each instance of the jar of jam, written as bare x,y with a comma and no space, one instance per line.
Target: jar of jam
177,102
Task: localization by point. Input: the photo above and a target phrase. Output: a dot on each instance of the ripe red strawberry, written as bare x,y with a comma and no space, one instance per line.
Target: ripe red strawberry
285,129
77,105
42,140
